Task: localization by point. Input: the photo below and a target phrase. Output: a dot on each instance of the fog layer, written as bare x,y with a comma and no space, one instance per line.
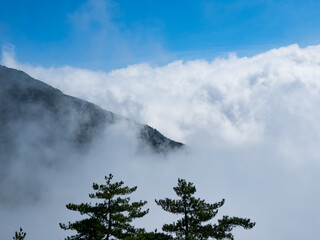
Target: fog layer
251,126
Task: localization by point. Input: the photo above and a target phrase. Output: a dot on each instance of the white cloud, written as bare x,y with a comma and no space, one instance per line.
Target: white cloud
238,100
251,123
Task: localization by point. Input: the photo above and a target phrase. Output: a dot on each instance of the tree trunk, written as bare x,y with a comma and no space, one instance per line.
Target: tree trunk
186,222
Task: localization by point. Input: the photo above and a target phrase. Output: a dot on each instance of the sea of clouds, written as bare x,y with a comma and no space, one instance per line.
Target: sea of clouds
251,126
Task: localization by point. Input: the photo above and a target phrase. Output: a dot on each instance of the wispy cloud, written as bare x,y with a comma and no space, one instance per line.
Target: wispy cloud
106,42
92,14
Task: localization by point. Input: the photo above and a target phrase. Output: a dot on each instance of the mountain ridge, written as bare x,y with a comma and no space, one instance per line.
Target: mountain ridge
24,98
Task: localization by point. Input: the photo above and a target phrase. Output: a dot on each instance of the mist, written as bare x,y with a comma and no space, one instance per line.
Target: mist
250,125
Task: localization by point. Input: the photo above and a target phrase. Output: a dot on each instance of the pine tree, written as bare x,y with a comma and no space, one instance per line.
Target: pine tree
109,219
19,235
195,213
143,235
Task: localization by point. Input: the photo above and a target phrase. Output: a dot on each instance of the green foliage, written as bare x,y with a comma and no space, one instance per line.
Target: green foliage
195,213
223,229
19,235
109,219
142,235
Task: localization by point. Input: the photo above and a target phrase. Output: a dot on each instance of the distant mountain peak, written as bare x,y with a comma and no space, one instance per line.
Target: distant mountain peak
25,99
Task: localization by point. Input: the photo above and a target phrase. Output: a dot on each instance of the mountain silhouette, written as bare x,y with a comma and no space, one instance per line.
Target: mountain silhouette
49,116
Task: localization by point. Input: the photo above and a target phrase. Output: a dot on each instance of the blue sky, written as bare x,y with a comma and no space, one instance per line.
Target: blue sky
104,34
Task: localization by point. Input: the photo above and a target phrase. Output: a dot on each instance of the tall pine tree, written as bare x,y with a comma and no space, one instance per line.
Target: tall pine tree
109,219
195,212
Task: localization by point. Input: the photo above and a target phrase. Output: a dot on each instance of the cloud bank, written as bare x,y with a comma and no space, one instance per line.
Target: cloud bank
251,124
238,100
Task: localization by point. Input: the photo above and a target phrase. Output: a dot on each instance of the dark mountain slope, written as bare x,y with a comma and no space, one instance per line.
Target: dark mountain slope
32,108
44,133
